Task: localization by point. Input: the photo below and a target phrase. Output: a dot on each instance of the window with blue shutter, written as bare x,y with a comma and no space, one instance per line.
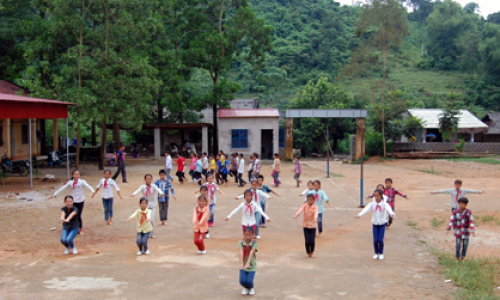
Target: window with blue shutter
282,138
239,138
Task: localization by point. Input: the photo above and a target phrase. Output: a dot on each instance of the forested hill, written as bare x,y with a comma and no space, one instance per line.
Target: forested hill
311,38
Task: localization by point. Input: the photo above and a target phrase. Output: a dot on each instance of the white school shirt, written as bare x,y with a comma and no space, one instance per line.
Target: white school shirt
380,210
212,191
77,191
107,192
205,163
168,162
248,210
260,195
241,167
305,192
151,196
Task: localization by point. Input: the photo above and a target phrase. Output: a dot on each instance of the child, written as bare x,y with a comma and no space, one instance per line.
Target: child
391,193
248,209
164,185
251,163
168,165
456,193
198,169
320,196
223,169
379,221
462,223
78,189
258,196
212,164
200,217
192,166
241,170
257,166
379,187
212,190
309,223
181,162
144,218
297,171
148,191
248,261
107,185
70,225
263,201
310,188
206,165
276,170
234,168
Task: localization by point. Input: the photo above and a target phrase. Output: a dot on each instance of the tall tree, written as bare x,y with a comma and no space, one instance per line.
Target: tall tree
382,24
448,120
220,32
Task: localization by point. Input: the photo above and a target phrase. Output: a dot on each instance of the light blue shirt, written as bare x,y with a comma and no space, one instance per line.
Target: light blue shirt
199,166
319,202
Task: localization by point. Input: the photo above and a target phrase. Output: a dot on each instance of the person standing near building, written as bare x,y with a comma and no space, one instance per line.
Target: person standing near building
241,170
257,166
168,165
120,157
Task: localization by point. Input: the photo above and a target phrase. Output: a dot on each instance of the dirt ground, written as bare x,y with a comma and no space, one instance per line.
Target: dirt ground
32,264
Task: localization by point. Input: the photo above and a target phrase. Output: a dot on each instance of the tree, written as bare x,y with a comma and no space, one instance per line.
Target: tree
412,127
220,32
489,49
448,120
382,24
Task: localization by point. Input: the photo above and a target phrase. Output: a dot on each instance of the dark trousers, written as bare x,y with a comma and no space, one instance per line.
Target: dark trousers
276,177
180,176
142,240
163,210
249,176
121,168
461,243
320,222
246,278
79,206
394,210
235,175
310,237
378,238
240,179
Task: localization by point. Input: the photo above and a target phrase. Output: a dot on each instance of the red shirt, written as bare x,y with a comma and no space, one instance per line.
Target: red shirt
180,164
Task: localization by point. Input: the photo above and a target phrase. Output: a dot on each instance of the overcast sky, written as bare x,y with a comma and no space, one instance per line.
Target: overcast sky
486,6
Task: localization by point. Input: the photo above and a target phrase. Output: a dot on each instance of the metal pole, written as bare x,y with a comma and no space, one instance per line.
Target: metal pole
327,154
31,154
361,180
67,148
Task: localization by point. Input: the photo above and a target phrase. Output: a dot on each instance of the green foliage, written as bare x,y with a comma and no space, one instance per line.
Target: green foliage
460,146
494,160
436,223
448,120
412,126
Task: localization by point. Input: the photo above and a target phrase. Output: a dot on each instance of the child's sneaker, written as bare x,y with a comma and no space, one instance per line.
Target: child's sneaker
381,257
258,237
75,252
245,291
204,252
375,256
139,253
66,252
252,291
210,224
147,252
207,236
199,251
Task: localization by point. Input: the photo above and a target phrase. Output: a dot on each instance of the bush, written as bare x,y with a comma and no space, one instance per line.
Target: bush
460,146
344,145
374,144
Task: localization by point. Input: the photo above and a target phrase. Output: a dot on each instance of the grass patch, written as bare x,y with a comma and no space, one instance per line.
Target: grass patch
411,223
474,277
335,175
490,160
387,159
436,223
431,171
480,220
423,242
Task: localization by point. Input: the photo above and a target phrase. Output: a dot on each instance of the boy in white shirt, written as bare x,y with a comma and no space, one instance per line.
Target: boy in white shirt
168,165
241,170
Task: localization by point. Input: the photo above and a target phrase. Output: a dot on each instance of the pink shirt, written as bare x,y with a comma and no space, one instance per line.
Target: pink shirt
192,165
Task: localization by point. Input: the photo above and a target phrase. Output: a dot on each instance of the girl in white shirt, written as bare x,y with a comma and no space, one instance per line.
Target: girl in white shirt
380,208
248,209
77,186
107,185
148,191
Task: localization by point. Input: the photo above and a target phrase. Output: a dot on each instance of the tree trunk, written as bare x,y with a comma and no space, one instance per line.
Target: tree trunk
383,95
160,112
215,110
116,135
77,158
103,142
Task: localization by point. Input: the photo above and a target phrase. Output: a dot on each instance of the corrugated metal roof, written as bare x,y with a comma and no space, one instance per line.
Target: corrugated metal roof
493,122
16,98
249,113
431,118
208,116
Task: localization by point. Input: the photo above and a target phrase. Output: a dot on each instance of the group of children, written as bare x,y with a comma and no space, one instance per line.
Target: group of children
252,210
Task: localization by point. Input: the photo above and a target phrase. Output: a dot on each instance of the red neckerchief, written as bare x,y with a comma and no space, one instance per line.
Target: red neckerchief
75,183
456,199
148,190
144,217
105,183
255,196
211,191
249,206
316,197
200,214
246,250
378,207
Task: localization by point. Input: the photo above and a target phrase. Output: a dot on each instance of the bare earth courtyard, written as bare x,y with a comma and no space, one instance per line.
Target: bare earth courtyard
32,264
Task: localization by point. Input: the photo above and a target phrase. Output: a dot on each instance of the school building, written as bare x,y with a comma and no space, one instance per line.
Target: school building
249,131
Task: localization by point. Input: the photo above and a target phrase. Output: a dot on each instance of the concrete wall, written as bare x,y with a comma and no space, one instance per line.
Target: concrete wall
4,142
21,151
448,147
254,127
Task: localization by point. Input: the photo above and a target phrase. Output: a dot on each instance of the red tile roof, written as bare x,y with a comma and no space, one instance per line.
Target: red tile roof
10,88
249,113
16,98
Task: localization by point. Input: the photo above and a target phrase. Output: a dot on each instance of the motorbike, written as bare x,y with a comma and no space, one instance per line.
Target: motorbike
20,167
56,158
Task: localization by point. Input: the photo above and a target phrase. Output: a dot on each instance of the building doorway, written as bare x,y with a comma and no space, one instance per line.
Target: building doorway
267,144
